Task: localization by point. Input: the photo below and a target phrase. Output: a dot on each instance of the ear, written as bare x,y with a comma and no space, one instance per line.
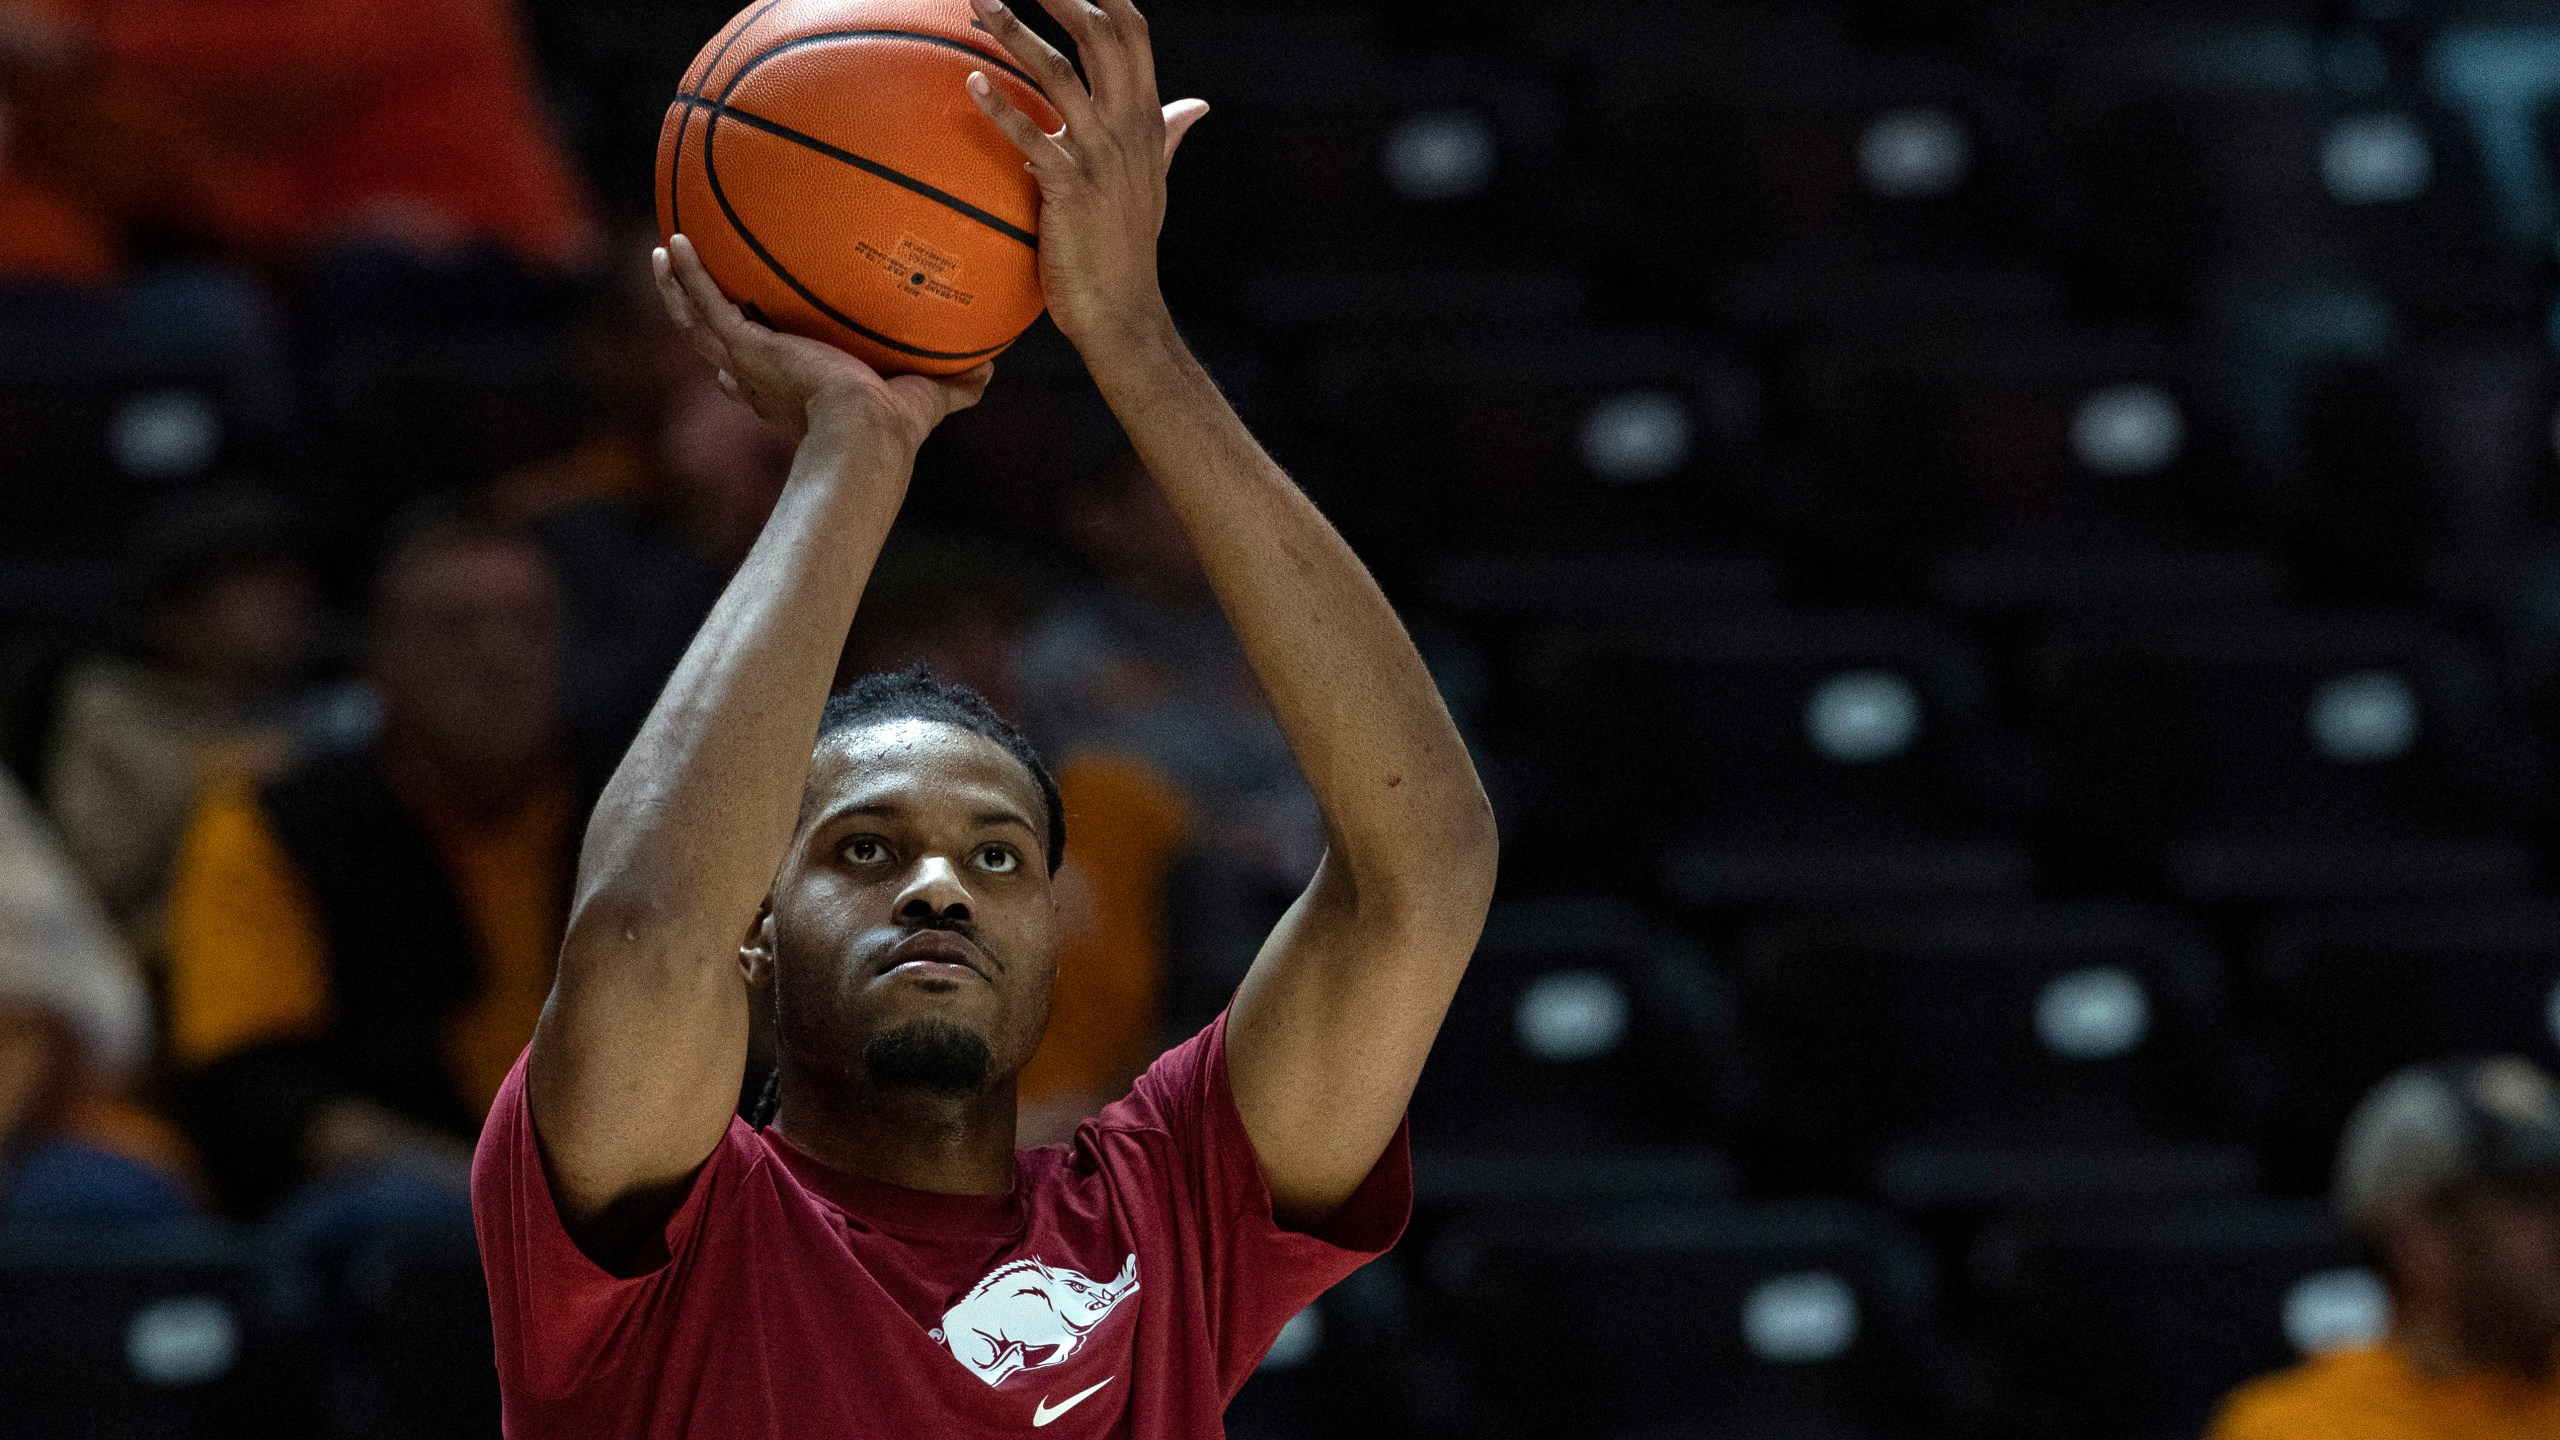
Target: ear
755,952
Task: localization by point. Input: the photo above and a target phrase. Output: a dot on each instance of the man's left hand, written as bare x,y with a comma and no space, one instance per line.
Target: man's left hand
1102,191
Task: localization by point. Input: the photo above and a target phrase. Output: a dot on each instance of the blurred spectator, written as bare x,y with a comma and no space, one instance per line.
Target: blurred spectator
358,950
636,579
74,1029
960,614
2452,1174
224,614
271,130
1141,665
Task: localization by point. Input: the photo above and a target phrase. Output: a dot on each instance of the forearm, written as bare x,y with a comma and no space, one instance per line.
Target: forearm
687,835
1399,794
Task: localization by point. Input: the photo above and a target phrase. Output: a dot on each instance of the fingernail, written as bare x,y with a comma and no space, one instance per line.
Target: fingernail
987,7
978,81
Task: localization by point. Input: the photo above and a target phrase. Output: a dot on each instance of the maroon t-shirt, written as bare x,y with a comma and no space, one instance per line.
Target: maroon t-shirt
1127,1287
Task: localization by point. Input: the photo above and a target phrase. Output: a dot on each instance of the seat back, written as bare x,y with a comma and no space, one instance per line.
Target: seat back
1810,1319
127,1334
2137,1324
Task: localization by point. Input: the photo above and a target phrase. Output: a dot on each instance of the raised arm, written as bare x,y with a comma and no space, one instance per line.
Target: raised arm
1330,1028
636,1064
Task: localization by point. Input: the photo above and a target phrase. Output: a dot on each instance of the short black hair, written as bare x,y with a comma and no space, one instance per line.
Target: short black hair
915,694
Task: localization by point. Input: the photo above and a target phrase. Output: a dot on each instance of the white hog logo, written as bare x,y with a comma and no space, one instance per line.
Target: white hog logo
1026,1316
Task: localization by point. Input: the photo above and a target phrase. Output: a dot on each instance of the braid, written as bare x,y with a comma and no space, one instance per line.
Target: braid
768,1099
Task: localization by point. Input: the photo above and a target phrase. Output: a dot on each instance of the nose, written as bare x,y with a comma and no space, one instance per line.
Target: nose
933,894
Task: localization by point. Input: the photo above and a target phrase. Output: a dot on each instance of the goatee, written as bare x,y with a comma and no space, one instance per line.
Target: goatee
933,1056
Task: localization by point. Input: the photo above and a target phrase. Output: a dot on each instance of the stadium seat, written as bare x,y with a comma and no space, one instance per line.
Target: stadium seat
414,411
2443,450
2037,586
1336,155
1337,1368
1491,439
2047,436
1581,1059
1779,756
89,437
2356,993
2291,754
1781,1322
151,1335
2133,1326
1985,1057
1773,145
2191,182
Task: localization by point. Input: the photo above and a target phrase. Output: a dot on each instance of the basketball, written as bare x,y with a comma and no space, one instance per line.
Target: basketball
836,179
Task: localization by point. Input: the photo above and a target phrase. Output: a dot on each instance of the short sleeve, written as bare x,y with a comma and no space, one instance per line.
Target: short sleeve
562,1321
1259,1273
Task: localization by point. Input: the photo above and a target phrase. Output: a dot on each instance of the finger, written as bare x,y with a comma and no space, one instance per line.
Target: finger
1179,117
1136,52
725,324
1055,72
1036,145
967,388
681,310
1101,49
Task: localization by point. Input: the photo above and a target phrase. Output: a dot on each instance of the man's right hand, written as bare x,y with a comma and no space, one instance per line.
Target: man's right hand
798,385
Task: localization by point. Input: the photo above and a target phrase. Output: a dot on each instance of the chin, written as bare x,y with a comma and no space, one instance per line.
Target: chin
935,1057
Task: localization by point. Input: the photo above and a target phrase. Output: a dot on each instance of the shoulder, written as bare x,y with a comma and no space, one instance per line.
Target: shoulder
2310,1398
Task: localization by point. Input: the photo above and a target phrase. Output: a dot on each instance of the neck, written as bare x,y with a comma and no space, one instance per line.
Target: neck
934,1143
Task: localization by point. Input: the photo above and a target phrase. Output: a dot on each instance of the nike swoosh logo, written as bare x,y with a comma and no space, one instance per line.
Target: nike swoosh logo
1042,1414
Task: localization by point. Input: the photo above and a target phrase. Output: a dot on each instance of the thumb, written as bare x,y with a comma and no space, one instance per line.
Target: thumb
1179,117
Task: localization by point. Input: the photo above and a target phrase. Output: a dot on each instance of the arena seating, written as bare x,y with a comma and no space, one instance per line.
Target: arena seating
1581,1060
2133,1325
157,1333
1774,757
1802,1320
2293,754
2354,993
1980,1057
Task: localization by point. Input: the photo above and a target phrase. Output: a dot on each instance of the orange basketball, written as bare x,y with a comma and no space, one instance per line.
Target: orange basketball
839,183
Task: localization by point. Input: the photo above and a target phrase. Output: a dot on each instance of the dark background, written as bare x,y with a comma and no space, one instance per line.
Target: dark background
1998,560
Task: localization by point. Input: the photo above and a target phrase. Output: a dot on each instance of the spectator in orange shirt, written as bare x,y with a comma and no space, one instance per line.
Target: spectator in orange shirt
2452,1173
287,126
358,950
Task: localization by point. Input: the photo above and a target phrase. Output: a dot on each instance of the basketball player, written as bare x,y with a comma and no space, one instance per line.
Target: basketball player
881,1260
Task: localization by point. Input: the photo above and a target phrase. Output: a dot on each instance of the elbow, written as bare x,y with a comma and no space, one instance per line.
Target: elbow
1475,847
1442,885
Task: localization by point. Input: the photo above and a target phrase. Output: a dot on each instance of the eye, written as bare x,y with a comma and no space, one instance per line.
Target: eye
864,850
999,860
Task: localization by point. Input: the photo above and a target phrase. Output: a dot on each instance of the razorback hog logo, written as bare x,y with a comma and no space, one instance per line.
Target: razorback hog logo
1027,1316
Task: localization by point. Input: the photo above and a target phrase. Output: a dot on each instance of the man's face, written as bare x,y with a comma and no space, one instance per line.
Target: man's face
2505,1251
912,933
466,655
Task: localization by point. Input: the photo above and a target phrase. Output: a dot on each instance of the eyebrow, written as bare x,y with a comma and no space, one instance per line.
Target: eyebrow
981,819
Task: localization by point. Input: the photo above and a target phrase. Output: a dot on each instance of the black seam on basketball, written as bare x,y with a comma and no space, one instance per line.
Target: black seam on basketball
684,122
864,163
711,172
921,37
690,83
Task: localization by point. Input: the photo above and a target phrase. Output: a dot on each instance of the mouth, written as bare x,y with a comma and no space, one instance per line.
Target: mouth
937,955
